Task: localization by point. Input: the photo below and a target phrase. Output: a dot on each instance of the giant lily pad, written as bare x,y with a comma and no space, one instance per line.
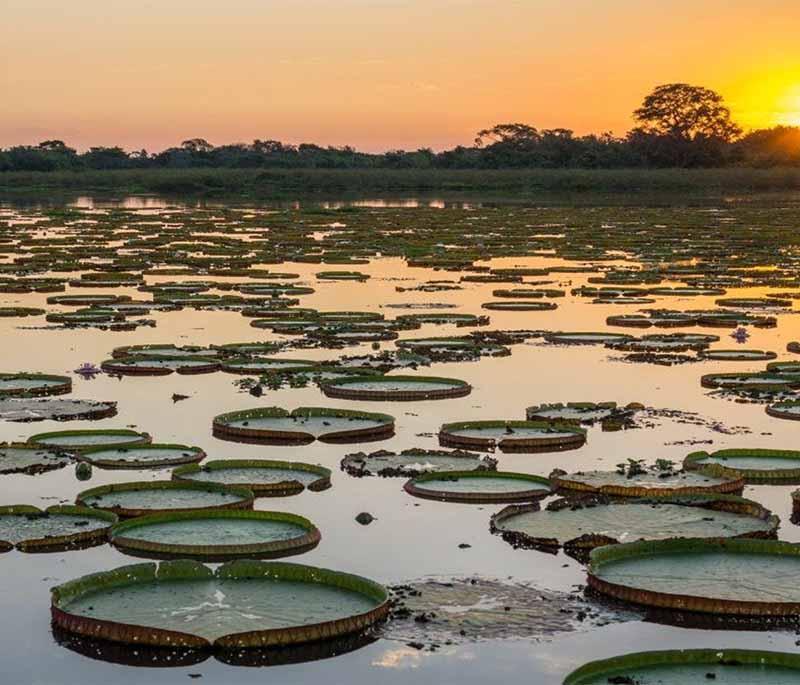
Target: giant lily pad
33,385
750,381
723,576
240,605
396,388
585,524
216,535
157,497
520,306
478,486
271,425
680,667
753,465
414,462
57,528
164,350
141,456
512,436
789,409
78,440
141,365
737,355
264,477
30,459
586,338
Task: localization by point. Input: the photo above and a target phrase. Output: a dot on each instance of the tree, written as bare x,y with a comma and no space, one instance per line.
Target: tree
686,112
770,146
515,135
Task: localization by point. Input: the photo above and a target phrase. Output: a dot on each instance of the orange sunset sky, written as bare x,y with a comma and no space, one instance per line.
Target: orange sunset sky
377,74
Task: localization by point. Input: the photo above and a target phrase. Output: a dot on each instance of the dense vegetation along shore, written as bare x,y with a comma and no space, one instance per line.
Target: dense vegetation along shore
520,182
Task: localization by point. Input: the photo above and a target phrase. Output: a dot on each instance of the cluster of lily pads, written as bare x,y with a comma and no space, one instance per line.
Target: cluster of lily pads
640,527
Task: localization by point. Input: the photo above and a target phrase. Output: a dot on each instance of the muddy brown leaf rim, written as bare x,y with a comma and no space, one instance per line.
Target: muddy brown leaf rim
610,554
186,570
57,543
604,669
282,488
694,462
188,455
222,428
119,536
589,541
244,496
540,487
451,388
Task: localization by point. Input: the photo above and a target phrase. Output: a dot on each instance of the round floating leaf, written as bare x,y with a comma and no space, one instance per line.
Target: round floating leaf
478,486
512,436
396,388
78,440
33,385
713,576
156,497
30,459
141,456
216,535
273,425
57,528
680,667
266,604
264,477
753,465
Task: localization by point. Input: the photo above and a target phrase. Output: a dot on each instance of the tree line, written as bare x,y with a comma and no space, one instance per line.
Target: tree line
677,125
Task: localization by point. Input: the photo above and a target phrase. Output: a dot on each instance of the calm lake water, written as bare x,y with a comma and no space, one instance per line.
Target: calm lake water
411,538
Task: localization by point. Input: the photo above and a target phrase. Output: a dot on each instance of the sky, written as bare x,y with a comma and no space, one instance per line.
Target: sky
377,74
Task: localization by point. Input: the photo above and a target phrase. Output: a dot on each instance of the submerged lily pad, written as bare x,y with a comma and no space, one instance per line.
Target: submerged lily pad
722,576
180,603
30,459
33,385
29,410
478,486
512,436
271,425
651,483
78,440
459,610
30,529
216,535
141,456
753,465
413,462
680,667
264,477
21,312
156,497
396,388
582,525
589,413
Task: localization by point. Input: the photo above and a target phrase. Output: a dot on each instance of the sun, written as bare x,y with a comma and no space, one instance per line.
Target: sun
789,108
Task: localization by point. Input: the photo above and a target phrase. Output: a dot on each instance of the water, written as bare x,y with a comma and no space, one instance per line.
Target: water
411,537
